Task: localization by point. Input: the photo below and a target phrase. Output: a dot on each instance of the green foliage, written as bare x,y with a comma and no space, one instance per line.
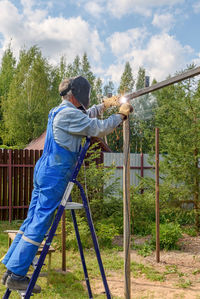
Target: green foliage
106,232
177,116
29,98
169,235
143,207
93,179
145,250
7,71
127,81
150,273
108,88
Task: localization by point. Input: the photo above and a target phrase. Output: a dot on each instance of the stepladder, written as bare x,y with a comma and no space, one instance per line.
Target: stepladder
67,203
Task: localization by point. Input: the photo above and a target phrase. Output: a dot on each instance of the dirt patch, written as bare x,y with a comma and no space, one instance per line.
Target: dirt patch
181,271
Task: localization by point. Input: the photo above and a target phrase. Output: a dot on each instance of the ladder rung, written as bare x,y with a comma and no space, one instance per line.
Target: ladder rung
22,293
73,206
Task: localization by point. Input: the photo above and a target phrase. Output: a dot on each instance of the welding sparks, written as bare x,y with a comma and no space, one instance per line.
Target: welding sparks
123,100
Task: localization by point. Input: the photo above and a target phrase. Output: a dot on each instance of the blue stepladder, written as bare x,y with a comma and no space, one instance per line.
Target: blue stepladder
67,203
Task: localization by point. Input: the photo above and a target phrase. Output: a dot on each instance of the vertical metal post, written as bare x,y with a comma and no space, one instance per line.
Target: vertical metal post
142,168
126,201
157,195
63,242
10,185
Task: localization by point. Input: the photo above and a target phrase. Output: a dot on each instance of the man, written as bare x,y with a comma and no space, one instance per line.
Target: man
67,125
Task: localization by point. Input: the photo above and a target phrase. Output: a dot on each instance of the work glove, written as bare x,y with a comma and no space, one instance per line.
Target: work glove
125,109
110,102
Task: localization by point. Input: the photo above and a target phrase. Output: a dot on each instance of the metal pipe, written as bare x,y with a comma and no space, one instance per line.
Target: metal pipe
157,196
167,82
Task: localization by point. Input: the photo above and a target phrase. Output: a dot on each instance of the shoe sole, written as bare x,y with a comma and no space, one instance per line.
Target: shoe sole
21,290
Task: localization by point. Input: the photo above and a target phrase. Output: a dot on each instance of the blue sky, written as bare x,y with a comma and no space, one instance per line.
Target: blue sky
160,35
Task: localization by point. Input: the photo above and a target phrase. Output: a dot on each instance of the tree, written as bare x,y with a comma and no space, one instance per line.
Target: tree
143,120
108,88
127,81
115,140
30,97
6,76
178,117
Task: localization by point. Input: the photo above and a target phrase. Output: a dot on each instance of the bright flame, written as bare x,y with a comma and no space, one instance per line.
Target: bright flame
123,100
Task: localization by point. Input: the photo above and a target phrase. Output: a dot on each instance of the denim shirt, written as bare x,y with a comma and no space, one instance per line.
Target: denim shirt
71,125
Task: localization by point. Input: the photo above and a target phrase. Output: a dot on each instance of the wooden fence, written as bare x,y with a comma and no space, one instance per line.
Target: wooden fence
16,182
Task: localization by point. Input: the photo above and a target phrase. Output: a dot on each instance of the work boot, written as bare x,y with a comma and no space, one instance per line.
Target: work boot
5,276
21,284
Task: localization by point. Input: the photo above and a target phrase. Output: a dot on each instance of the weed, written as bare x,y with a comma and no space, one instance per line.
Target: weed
184,283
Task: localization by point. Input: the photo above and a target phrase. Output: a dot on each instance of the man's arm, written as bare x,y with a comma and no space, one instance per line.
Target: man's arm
95,110
82,124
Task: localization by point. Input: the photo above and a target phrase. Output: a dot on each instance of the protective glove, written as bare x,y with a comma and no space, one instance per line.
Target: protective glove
125,109
110,102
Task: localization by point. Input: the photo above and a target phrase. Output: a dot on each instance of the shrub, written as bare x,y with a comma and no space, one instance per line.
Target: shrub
106,233
143,207
169,235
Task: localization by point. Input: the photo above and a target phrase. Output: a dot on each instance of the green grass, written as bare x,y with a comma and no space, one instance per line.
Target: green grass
71,284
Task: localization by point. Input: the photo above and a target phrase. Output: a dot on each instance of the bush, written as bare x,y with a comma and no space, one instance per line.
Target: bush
169,235
143,207
106,233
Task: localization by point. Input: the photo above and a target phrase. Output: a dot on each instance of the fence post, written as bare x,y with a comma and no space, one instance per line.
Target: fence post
157,197
126,200
142,168
10,185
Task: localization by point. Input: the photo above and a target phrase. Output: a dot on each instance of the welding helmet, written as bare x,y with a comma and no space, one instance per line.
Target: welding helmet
80,88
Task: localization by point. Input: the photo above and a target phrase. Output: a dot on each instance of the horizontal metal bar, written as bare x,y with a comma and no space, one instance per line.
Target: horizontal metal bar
133,167
167,82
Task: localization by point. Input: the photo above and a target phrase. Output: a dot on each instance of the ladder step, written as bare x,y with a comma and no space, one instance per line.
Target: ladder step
73,206
22,294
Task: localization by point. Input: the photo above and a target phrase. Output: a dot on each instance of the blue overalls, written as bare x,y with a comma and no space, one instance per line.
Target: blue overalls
51,175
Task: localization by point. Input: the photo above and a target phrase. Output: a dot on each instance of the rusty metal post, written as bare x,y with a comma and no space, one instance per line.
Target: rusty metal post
126,201
142,168
63,242
157,195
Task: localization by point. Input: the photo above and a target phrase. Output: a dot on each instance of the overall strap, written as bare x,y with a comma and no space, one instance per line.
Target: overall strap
49,135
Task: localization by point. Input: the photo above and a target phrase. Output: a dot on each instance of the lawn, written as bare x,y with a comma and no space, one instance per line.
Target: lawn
64,285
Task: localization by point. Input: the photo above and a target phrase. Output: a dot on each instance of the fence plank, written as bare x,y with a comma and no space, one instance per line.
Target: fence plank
26,187
16,183
21,185
5,185
1,187
31,152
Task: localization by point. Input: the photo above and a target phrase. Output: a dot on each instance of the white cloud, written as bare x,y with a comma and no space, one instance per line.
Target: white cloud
164,21
143,7
94,8
114,72
196,7
120,8
55,36
122,42
161,56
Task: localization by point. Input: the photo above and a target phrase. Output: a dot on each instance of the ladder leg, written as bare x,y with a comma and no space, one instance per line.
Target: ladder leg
94,239
81,253
7,294
44,252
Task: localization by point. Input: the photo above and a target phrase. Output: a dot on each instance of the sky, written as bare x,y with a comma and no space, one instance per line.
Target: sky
161,36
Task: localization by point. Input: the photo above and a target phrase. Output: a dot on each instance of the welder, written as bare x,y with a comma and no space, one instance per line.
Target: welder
68,123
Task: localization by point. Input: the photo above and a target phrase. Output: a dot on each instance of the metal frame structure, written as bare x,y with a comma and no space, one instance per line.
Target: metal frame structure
67,203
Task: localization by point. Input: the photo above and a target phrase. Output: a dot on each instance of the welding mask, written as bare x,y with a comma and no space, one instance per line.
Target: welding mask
80,88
